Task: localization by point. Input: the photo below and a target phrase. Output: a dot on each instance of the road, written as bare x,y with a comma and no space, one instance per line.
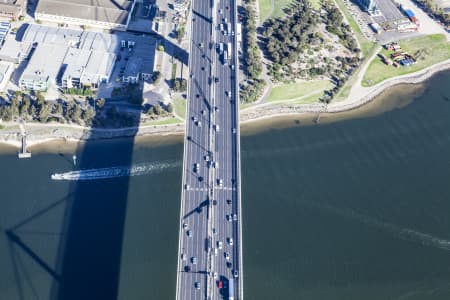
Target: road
210,247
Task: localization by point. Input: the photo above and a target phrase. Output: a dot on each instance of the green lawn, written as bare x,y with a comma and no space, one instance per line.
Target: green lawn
316,4
308,99
265,8
168,121
293,91
180,107
434,49
279,6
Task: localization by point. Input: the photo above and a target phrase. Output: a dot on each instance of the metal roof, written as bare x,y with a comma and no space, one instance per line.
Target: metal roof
109,11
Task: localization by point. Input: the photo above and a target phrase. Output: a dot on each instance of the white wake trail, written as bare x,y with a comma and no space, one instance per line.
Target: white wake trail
401,232
112,172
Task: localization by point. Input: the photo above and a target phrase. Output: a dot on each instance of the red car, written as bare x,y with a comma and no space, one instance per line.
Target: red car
219,284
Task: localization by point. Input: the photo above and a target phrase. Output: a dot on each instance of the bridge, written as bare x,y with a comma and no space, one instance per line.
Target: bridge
210,240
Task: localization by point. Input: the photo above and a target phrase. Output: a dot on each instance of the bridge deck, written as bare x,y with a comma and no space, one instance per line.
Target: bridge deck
210,199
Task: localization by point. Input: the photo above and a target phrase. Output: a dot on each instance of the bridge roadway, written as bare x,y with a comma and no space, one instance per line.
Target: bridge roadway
212,135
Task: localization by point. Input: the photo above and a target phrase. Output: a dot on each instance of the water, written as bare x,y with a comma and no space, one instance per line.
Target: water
357,209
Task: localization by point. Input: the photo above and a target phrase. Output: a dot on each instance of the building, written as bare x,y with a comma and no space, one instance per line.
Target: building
370,6
6,70
4,29
12,9
86,68
105,14
41,72
78,58
14,51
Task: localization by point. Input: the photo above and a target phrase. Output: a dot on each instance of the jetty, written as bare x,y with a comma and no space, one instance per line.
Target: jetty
23,153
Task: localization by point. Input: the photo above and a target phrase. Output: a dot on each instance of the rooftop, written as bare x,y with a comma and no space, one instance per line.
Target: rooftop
109,11
39,67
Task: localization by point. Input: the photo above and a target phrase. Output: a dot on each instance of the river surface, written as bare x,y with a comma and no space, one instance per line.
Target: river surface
354,209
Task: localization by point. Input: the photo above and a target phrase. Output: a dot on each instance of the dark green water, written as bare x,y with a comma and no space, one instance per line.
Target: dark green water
357,209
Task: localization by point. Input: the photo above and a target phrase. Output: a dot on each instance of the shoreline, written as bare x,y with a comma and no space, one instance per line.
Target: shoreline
38,134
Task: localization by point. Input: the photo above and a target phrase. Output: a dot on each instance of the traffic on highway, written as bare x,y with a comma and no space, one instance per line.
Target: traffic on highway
209,264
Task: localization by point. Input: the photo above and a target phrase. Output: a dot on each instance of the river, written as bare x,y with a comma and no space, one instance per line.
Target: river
355,208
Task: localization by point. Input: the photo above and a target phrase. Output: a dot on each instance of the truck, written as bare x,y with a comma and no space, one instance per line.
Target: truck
376,28
410,14
225,57
231,289
229,28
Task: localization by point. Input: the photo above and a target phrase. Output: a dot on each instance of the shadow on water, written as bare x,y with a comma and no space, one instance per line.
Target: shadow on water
88,257
89,254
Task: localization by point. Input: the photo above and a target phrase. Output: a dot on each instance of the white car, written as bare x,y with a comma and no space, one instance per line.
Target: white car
185,225
219,244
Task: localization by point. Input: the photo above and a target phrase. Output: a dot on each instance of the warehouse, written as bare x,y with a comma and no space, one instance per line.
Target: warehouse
41,72
79,58
105,14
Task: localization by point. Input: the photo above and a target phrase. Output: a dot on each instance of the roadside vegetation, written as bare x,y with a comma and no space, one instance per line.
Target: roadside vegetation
427,50
251,89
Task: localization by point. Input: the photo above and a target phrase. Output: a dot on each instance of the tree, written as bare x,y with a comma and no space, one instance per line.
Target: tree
59,109
44,113
157,109
24,106
76,113
100,103
88,114
40,99
170,108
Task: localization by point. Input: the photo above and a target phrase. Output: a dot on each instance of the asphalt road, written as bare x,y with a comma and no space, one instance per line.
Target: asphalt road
212,133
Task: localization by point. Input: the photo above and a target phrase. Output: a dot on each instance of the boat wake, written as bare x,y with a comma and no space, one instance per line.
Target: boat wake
112,172
396,230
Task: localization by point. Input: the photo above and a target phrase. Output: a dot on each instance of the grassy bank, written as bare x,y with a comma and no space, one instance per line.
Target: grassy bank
180,107
168,121
272,8
297,91
429,50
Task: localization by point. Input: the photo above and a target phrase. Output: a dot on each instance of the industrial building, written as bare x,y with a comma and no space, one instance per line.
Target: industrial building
15,51
6,70
370,6
105,14
12,9
78,58
41,71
